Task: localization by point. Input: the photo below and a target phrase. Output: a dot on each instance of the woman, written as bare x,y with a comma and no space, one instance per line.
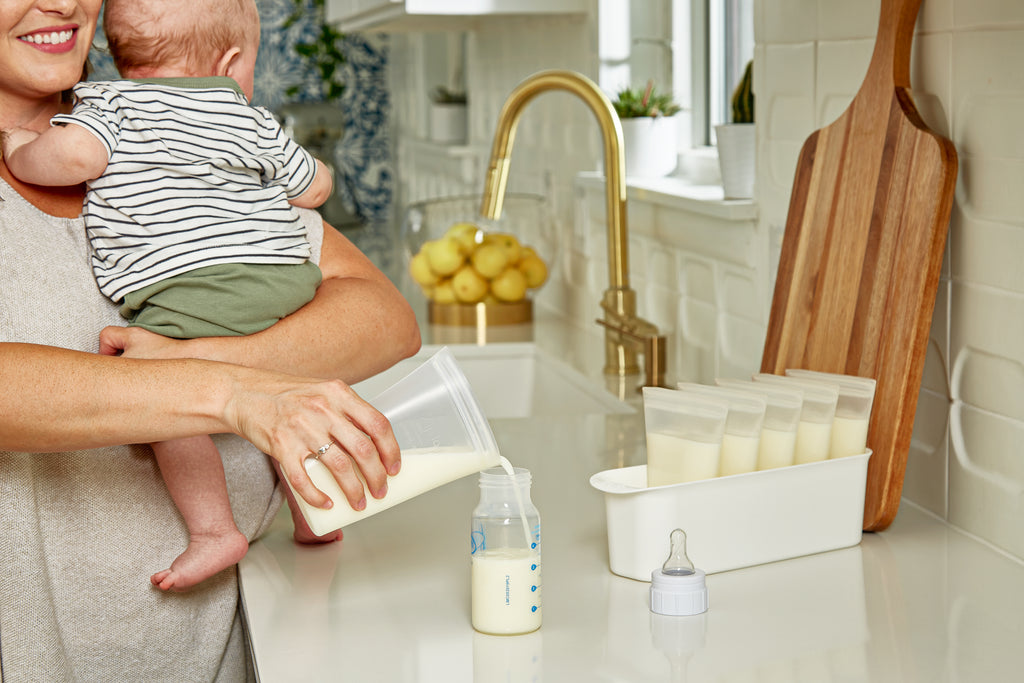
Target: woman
82,515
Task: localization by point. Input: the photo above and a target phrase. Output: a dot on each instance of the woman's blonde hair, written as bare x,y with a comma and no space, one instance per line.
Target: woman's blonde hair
190,34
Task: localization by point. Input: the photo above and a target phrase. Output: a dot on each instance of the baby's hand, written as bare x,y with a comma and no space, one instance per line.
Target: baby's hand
13,138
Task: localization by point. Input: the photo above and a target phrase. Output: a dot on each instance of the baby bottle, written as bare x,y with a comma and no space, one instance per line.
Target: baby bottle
505,546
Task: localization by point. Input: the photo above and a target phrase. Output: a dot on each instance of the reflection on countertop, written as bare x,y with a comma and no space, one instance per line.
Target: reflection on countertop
920,601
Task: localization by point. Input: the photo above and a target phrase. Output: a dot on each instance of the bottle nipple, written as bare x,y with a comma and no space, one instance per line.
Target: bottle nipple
678,563
678,588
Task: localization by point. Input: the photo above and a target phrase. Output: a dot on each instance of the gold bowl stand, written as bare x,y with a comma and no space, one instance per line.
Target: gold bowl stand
481,314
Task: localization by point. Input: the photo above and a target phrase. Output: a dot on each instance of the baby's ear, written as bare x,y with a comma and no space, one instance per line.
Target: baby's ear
227,61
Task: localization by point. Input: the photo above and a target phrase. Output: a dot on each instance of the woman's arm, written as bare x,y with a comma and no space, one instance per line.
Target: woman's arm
59,400
55,399
357,325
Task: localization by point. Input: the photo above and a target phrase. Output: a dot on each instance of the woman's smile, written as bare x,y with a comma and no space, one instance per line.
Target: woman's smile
55,40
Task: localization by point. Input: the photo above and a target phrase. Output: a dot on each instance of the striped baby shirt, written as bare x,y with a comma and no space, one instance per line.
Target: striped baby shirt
196,177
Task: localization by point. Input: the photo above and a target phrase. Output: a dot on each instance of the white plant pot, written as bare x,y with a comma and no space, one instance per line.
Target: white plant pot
448,123
650,146
736,150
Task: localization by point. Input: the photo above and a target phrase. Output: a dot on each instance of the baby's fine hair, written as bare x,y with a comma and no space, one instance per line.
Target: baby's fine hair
192,34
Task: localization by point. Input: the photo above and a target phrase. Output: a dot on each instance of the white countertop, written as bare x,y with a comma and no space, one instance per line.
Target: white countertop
920,601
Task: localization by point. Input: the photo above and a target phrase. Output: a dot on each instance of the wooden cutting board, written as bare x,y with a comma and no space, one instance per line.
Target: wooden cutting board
862,251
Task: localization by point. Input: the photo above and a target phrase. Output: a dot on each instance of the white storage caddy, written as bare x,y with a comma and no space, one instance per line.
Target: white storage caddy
736,521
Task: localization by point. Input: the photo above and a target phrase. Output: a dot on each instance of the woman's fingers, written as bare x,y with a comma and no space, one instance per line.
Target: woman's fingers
362,450
343,470
372,444
295,472
136,342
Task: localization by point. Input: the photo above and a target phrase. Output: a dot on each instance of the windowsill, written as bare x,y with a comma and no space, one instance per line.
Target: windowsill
682,194
694,186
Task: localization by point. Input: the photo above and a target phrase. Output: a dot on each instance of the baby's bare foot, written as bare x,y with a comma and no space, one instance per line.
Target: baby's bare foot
308,537
206,555
303,534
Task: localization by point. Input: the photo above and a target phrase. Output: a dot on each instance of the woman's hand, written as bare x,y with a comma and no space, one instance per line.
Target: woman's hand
292,418
135,342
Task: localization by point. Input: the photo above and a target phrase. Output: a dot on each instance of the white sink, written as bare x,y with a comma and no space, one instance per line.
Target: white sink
512,380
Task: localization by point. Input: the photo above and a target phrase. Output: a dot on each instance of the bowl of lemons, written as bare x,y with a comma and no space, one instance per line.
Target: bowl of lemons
475,271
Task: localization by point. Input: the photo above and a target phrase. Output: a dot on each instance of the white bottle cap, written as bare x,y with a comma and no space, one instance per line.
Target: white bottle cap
678,595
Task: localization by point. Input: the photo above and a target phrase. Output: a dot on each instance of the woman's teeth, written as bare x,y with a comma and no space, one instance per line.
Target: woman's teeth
53,38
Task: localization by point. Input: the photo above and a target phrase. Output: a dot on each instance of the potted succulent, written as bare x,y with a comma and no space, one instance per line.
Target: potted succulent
448,115
648,130
737,141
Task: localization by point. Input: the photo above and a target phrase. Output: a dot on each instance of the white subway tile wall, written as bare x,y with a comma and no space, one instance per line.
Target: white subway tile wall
708,281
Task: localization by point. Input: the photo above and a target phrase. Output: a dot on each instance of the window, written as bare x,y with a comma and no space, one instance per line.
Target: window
730,30
698,48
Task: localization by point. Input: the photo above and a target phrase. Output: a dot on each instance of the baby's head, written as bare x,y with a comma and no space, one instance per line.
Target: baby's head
157,38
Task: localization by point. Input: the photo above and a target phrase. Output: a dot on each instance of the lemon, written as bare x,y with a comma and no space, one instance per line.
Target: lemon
509,243
466,234
489,260
534,269
468,285
444,293
444,256
420,271
510,285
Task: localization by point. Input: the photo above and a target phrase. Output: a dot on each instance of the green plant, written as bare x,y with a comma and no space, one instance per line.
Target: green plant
442,95
743,97
631,103
323,53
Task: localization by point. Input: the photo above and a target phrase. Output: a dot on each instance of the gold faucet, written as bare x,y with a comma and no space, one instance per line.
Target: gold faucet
625,332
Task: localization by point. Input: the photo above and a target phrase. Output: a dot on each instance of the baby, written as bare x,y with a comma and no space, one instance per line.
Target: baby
188,212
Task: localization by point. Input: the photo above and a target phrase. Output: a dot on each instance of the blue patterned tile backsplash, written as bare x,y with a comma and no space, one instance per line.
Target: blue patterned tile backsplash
365,178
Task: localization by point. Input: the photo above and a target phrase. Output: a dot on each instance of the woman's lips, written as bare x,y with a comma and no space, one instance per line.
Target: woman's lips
55,40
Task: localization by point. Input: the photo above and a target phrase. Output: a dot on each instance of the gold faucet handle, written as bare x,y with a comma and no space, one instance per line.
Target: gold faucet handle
630,326
645,334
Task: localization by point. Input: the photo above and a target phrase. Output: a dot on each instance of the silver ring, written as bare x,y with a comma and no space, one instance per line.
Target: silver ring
323,449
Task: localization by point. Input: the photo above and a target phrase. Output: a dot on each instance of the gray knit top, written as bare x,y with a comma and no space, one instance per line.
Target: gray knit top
81,532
